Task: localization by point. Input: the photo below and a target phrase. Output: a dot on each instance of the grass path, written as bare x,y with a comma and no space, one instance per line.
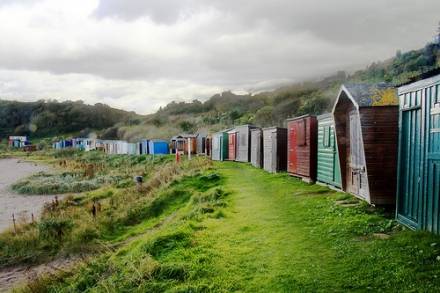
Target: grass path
284,235
267,233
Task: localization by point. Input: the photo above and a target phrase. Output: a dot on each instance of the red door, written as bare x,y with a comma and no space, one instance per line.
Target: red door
292,161
232,146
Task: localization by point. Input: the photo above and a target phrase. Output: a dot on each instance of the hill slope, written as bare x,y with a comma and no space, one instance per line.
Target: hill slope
45,118
273,107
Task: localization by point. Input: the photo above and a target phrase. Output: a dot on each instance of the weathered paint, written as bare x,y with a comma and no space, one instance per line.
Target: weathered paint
243,143
257,148
275,149
232,145
418,191
366,137
328,167
302,135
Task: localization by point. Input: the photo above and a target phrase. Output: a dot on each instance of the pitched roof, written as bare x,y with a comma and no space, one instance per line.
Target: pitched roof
370,95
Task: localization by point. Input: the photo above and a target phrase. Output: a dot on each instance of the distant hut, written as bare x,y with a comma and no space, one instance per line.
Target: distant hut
208,142
366,124
232,144
158,147
301,157
328,167
18,141
142,147
275,149
418,189
220,146
243,143
201,144
257,148
131,148
183,142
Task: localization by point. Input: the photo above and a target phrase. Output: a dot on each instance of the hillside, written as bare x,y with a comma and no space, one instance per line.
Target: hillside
48,118
273,107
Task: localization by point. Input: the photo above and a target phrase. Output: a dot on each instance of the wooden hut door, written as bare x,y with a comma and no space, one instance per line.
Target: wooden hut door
357,158
292,158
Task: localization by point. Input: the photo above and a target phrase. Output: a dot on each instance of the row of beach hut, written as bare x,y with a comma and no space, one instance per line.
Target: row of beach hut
116,147
379,143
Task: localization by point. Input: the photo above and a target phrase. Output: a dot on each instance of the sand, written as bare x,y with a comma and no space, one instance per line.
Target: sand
23,206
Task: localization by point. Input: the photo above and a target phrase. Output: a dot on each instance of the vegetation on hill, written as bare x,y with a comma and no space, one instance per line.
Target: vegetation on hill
48,118
272,108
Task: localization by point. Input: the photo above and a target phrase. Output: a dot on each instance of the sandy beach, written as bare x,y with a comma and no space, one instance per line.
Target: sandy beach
12,170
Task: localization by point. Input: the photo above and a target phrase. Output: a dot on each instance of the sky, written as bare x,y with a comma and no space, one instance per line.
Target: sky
139,55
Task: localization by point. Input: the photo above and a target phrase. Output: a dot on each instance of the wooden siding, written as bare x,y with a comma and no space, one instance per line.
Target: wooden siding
302,148
243,143
257,148
232,145
371,173
275,149
328,167
418,204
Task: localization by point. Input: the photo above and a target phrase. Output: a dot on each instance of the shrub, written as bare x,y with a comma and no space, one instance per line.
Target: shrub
55,228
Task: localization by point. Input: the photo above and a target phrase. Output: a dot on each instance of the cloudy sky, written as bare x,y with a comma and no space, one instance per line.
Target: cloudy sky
141,54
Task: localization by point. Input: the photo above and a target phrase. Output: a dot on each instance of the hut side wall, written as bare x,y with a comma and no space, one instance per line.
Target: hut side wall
380,138
232,146
418,205
275,149
243,152
216,147
257,148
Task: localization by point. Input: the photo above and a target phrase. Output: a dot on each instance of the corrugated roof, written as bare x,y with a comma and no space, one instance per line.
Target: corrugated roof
371,95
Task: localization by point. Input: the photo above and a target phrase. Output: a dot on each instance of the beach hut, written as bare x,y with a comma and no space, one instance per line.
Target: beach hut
366,125
158,147
183,142
131,148
208,142
232,144
243,143
257,148
301,144
201,144
142,147
328,168
220,146
18,141
418,188
275,149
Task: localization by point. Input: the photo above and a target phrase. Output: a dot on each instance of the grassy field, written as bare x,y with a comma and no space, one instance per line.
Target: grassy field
240,229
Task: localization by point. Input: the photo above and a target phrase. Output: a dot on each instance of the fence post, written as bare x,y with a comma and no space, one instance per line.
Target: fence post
15,226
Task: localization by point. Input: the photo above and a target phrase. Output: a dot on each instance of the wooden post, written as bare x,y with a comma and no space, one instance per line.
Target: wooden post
33,219
189,148
15,226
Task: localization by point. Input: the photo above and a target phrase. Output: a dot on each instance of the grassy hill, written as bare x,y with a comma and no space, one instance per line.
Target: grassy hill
273,107
49,118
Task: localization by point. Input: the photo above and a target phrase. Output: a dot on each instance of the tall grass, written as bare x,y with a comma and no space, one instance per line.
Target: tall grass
72,226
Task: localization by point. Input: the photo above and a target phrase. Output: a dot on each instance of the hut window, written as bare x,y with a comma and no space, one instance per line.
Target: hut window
301,133
326,138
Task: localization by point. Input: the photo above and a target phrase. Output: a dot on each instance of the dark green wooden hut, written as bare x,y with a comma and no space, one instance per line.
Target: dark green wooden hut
328,167
418,188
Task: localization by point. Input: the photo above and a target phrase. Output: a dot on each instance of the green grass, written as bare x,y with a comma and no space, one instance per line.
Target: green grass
251,231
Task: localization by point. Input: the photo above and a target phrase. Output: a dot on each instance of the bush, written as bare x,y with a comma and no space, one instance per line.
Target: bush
55,228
